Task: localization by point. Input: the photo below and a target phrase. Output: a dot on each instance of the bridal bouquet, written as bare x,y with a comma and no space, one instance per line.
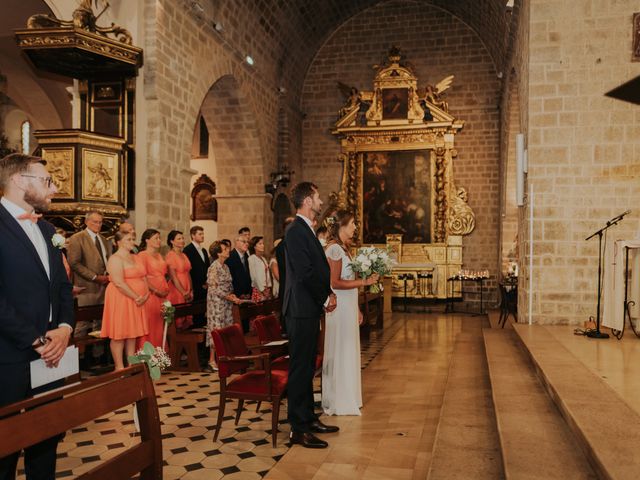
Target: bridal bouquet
370,260
155,358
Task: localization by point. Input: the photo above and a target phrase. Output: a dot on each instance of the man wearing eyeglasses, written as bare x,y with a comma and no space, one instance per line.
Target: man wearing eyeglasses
36,304
238,263
88,252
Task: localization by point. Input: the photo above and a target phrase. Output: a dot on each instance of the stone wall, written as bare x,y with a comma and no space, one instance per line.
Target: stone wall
584,148
438,45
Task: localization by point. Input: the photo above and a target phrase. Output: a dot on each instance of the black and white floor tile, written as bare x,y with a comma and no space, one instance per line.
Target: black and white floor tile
188,404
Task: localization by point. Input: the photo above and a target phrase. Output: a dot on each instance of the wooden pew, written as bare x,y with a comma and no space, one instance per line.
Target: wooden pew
186,340
88,313
33,420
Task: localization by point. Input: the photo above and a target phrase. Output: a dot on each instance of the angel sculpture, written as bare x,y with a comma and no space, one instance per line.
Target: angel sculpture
352,99
433,94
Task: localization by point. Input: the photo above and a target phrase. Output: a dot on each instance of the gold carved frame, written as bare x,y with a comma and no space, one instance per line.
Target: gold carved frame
365,126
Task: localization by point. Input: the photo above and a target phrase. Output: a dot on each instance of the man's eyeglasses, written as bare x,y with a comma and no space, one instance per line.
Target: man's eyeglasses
46,180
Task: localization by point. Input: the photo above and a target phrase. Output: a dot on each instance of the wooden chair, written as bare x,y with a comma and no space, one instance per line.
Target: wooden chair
245,312
268,330
33,420
186,341
261,385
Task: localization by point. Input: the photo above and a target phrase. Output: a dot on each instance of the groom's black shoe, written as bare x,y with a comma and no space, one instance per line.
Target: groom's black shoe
319,427
307,440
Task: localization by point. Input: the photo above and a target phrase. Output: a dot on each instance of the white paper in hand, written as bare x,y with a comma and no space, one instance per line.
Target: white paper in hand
42,375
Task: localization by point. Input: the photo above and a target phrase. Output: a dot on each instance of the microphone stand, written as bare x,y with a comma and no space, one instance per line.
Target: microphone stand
614,221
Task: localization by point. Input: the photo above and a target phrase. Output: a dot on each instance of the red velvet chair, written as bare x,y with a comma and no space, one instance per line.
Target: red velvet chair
263,385
268,330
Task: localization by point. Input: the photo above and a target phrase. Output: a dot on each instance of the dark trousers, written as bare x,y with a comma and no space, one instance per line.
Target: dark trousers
303,348
39,459
199,295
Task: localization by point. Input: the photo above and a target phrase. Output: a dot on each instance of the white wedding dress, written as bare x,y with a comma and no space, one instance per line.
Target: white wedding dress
341,388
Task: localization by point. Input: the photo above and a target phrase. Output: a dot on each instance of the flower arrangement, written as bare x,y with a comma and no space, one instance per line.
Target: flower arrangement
58,241
155,358
370,260
168,312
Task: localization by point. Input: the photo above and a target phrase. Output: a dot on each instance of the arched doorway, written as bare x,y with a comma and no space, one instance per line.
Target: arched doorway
233,160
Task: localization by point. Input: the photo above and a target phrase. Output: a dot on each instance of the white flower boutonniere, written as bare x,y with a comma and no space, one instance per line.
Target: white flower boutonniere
58,241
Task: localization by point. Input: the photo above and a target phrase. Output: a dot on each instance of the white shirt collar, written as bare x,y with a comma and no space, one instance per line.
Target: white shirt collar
92,234
12,208
306,220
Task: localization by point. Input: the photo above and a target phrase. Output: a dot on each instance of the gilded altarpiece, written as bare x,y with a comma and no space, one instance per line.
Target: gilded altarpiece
398,150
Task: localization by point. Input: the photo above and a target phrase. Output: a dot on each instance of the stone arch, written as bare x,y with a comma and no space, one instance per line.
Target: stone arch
236,157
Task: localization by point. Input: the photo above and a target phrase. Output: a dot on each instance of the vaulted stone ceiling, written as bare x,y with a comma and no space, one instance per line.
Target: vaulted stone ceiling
300,27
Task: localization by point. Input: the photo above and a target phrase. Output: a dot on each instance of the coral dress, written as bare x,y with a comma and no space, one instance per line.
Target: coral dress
182,266
122,318
157,279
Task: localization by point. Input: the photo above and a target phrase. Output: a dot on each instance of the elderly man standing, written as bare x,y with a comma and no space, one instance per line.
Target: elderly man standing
36,305
87,253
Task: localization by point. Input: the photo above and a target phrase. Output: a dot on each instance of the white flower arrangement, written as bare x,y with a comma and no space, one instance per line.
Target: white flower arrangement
155,358
370,260
168,312
58,241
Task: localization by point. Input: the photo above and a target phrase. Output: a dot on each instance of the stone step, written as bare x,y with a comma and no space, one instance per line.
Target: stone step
535,441
605,427
466,444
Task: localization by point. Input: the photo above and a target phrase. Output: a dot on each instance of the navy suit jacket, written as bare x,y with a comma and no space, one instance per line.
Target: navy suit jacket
240,275
198,271
308,280
26,293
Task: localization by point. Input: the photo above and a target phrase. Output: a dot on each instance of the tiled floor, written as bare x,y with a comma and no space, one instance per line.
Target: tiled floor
188,406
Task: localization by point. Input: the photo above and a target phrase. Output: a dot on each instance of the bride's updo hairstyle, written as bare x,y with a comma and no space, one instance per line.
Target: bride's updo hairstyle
341,218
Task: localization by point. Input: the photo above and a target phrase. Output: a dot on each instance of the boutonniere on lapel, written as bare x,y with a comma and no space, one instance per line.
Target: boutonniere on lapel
58,241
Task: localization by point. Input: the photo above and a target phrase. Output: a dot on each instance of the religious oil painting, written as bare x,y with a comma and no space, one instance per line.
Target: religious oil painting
100,175
397,196
395,103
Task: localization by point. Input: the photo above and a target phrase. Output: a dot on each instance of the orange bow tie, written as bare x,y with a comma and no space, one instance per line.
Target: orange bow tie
30,216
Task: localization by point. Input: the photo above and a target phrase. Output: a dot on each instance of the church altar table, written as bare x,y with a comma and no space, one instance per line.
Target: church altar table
614,282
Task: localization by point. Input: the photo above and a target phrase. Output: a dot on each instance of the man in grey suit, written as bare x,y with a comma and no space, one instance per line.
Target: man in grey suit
87,253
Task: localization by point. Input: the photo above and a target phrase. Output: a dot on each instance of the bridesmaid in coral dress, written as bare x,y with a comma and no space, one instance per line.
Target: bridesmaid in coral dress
158,286
124,318
179,266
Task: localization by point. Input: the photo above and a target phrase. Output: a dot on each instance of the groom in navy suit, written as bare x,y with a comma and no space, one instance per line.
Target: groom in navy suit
307,294
36,305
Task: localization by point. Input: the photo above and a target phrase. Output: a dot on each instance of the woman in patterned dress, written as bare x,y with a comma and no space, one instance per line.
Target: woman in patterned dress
220,296
158,286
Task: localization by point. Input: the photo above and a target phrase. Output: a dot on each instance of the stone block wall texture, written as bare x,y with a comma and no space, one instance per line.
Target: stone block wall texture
438,45
584,148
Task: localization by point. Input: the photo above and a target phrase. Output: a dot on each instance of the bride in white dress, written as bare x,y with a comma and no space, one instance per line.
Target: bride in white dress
341,388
